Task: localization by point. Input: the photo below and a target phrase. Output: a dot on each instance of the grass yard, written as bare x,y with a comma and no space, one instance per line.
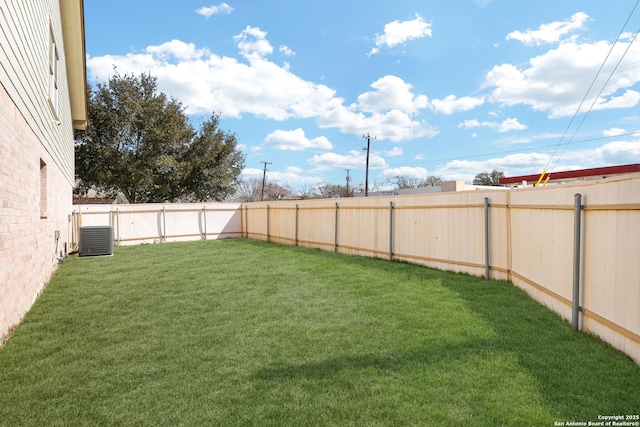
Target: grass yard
237,332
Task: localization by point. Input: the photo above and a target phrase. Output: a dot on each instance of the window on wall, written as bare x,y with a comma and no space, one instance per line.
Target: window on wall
43,189
54,60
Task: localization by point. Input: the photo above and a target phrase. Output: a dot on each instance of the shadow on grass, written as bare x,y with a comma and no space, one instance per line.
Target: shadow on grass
572,370
389,362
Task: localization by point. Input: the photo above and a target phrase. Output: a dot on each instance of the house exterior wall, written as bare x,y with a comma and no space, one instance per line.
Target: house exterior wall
36,151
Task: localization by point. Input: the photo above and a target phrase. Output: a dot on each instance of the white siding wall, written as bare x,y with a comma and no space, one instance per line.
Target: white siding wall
24,72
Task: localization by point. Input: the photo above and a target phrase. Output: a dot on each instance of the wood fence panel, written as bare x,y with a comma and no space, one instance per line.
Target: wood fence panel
282,223
136,226
364,231
157,223
611,263
531,243
316,226
255,221
499,235
531,239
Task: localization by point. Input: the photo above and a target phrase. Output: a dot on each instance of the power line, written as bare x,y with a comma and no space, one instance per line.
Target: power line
598,96
523,150
589,90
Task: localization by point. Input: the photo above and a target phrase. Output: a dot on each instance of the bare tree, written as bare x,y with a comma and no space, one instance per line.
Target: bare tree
431,181
401,182
250,190
327,191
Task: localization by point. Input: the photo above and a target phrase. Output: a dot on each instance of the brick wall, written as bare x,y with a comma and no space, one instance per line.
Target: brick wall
35,202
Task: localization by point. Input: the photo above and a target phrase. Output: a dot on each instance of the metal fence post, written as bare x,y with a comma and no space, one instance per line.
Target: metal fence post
487,272
296,232
118,224
575,309
204,219
335,236
246,221
391,231
164,224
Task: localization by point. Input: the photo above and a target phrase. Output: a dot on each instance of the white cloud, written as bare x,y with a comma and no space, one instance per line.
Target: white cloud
628,99
511,124
204,81
612,153
295,140
511,165
394,125
294,177
452,104
354,160
474,123
399,32
291,176
616,152
253,43
556,81
176,50
394,152
208,11
552,32
250,173
286,51
373,51
391,92
614,132
406,172
505,126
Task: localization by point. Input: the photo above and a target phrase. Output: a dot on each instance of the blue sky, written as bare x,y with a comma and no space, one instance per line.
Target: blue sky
447,88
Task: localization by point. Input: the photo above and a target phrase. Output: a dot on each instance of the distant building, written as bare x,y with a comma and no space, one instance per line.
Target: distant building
42,100
445,187
570,176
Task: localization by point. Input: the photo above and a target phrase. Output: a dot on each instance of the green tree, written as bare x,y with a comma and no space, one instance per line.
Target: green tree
488,178
211,164
139,143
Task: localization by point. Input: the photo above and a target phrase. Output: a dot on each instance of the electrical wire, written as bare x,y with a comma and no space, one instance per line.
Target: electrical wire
523,150
590,87
598,96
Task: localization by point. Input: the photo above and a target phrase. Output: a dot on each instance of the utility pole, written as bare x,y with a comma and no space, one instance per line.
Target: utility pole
348,179
264,177
366,180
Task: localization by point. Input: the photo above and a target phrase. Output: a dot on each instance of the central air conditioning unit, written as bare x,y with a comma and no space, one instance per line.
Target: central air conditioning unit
96,240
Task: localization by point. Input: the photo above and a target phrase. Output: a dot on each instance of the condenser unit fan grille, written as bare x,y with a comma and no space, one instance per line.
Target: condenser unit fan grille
96,241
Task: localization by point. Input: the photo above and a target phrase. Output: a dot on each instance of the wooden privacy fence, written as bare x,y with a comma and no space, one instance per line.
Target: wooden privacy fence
158,223
536,238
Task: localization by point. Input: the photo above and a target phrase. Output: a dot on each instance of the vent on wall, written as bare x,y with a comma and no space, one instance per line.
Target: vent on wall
96,241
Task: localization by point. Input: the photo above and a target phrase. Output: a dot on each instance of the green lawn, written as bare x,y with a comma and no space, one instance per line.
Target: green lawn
238,332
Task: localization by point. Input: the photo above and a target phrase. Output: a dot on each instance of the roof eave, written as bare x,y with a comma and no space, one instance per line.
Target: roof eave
72,12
